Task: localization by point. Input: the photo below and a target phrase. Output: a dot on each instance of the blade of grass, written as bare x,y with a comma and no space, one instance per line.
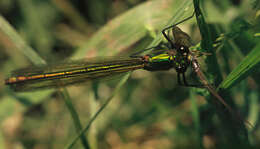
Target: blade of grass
34,22
182,11
74,115
253,114
133,25
207,44
196,118
20,44
243,70
72,14
119,85
234,134
254,108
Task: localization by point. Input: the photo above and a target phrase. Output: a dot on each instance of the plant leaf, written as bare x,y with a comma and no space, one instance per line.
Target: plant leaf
133,25
243,70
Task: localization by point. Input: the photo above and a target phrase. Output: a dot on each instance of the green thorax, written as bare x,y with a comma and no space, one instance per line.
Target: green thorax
168,59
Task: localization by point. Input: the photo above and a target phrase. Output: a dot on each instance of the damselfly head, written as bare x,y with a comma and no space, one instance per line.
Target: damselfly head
183,50
181,59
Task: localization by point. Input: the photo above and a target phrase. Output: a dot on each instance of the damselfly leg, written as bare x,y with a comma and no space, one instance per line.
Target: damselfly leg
181,43
172,26
185,83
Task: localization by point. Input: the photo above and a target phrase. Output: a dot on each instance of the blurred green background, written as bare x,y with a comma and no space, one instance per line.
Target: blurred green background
150,111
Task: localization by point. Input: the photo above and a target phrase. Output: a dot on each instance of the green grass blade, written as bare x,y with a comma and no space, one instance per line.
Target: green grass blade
243,70
196,118
19,43
135,24
119,85
207,44
238,134
65,96
184,10
67,8
28,52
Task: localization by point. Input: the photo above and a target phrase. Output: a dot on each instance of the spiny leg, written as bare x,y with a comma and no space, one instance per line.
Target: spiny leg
186,84
184,79
179,79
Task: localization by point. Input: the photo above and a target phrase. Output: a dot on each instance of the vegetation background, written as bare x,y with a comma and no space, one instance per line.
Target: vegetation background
150,110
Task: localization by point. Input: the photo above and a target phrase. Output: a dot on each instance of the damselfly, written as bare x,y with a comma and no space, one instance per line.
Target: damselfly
80,71
175,54
39,77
